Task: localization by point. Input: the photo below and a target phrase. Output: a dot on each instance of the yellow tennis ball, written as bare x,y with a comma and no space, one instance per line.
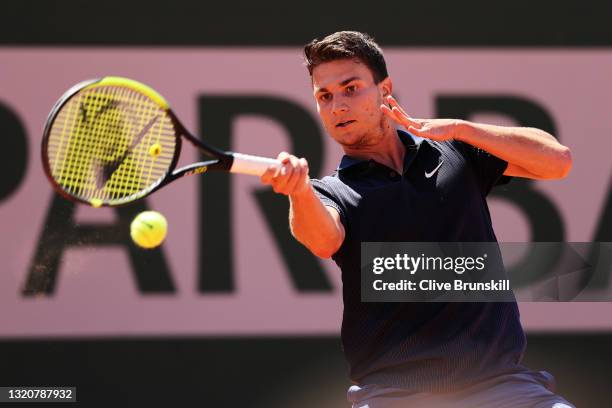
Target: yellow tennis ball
155,149
148,229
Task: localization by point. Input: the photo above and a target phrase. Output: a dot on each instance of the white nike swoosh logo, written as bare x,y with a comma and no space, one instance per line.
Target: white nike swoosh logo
428,175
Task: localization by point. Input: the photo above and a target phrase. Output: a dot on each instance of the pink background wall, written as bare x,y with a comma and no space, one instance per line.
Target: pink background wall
96,294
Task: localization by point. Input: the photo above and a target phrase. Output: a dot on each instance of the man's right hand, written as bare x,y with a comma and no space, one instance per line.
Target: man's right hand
291,178
316,226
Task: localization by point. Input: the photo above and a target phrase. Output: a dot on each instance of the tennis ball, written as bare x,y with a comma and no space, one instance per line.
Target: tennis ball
155,149
148,229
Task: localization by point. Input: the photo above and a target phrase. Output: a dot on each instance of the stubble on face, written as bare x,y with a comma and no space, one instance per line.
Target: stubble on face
362,107
368,138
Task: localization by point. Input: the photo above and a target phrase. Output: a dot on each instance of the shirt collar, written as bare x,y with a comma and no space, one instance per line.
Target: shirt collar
407,139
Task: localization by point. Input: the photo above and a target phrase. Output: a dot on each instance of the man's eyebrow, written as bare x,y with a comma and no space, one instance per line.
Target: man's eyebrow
347,81
343,83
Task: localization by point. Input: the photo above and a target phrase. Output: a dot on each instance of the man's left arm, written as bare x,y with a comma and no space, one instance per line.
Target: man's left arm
530,152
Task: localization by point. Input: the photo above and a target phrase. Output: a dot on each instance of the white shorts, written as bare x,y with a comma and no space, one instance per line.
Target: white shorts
522,390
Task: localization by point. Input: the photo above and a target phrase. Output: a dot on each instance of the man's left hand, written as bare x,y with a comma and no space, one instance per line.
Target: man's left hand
434,129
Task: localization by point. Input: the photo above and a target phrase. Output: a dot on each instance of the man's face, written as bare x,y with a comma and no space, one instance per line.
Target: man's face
348,102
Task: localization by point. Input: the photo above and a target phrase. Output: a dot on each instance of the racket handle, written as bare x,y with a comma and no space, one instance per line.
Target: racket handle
252,165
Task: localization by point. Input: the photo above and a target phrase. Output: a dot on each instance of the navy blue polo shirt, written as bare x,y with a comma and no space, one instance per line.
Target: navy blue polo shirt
440,197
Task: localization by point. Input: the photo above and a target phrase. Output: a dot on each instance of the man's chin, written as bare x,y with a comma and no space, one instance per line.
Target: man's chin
352,142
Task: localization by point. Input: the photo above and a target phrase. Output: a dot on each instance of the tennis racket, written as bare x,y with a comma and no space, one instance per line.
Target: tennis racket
111,141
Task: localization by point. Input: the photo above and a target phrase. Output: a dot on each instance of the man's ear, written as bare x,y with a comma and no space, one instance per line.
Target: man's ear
386,87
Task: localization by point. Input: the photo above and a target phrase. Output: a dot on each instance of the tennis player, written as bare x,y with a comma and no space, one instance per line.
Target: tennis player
389,187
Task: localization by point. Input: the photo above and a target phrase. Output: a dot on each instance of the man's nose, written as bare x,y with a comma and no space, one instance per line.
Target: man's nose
339,105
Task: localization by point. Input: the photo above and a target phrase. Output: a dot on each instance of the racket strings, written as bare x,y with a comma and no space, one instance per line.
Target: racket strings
110,144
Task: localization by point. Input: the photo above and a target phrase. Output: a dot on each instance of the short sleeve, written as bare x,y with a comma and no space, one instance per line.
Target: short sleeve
489,169
328,197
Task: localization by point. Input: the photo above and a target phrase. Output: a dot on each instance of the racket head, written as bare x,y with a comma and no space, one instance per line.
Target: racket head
109,142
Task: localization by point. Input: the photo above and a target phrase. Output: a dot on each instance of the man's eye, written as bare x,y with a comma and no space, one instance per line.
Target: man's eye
350,89
325,97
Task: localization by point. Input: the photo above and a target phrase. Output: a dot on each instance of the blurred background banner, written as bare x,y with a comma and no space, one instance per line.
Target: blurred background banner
231,298
229,253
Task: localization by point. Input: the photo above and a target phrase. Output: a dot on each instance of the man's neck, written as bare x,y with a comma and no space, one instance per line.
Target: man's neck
390,151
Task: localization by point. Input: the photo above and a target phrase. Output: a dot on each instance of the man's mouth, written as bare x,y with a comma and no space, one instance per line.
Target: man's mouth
344,124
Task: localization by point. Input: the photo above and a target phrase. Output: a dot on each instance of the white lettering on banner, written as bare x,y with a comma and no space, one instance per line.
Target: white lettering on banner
96,293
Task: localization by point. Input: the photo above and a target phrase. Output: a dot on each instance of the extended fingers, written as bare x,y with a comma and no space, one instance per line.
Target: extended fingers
394,104
399,115
389,113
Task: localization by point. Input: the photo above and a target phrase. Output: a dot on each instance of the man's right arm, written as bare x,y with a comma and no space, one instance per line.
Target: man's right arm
313,224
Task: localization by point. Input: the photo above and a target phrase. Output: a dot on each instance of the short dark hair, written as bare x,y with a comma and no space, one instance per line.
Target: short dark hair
347,45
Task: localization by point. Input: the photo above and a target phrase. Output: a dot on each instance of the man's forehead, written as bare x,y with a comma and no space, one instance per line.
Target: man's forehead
335,72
